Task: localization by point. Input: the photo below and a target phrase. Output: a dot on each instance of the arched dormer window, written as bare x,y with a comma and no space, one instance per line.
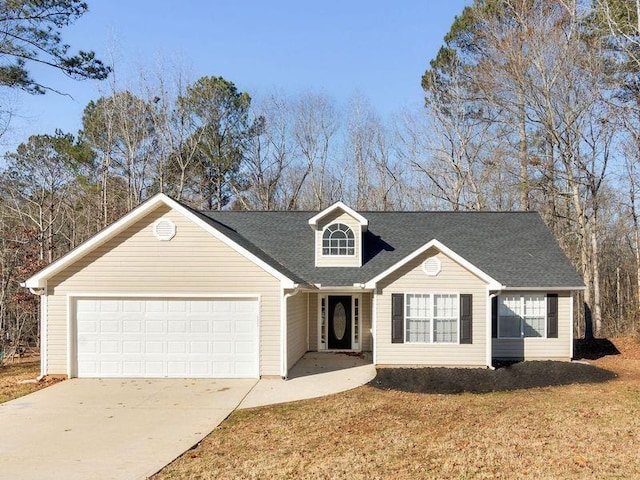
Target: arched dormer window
338,239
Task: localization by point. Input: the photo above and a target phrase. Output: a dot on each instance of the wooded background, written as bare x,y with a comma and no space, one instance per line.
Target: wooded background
529,105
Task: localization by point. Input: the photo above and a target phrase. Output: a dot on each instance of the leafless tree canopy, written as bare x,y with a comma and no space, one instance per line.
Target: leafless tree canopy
530,104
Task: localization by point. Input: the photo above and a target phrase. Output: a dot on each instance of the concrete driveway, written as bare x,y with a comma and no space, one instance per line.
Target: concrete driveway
110,429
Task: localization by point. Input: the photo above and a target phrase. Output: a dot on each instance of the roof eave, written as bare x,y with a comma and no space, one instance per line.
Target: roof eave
546,289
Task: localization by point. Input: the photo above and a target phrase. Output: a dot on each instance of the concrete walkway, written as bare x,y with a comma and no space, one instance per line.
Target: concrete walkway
129,429
110,429
315,375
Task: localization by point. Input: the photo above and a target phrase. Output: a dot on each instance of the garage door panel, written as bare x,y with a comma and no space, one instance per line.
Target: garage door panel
108,326
151,306
154,326
154,347
167,338
132,306
177,326
200,326
109,306
132,347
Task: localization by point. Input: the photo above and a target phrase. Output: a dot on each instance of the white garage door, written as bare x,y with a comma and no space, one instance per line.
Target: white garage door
179,338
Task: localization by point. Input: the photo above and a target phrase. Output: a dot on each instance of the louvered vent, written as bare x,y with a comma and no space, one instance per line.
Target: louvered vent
164,229
432,266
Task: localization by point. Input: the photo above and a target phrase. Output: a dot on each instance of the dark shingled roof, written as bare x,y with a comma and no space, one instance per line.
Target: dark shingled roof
514,248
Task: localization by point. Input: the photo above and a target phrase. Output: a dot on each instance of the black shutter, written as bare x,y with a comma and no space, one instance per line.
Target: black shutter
397,318
466,317
552,315
494,317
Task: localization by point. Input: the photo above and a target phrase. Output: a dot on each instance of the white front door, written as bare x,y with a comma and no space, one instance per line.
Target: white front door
167,337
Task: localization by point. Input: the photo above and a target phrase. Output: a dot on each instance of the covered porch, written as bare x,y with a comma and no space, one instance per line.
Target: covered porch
323,321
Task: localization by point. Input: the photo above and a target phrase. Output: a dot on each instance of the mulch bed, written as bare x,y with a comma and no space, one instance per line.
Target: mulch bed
517,376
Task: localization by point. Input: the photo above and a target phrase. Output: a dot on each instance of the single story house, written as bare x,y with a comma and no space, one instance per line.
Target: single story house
168,291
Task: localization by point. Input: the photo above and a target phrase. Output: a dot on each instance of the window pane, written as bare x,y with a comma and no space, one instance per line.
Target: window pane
418,306
534,306
534,315
509,327
418,330
445,311
338,239
418,323
445,330
534,326
445,306
510,306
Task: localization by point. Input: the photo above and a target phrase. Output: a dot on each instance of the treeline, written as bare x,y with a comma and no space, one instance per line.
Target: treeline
529,104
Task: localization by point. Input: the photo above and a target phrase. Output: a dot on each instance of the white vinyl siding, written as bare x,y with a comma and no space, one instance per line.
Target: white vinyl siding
296,328
540,348
411,278
192,263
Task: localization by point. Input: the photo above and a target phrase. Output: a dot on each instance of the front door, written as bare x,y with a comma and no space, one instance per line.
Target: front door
339,322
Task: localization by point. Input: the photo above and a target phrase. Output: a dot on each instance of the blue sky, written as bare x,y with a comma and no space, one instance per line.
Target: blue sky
375,47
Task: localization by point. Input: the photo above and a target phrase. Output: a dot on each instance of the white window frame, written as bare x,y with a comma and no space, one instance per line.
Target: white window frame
431,318
522,296
347,255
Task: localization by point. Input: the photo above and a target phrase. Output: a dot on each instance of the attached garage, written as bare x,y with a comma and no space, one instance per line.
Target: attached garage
160,293
166,337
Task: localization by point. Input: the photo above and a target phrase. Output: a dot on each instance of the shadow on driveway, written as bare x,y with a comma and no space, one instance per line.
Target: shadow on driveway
517,376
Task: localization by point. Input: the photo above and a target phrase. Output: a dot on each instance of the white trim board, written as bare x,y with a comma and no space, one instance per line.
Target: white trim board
364,223
493,284
39,279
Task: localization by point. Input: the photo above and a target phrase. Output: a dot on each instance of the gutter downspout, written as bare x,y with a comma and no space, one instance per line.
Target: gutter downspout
489,357
44,308
284,369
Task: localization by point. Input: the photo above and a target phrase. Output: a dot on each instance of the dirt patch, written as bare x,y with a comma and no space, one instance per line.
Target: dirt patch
517,376
17,380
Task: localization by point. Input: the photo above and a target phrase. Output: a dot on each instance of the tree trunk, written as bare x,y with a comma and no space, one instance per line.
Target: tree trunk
524,160
595,265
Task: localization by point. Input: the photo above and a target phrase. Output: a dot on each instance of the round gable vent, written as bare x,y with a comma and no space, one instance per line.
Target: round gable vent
431,266
164,229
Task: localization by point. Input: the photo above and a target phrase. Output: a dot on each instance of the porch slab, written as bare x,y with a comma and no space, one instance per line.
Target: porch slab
316,374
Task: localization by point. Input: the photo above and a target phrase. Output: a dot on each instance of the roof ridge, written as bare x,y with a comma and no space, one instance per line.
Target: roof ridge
206,212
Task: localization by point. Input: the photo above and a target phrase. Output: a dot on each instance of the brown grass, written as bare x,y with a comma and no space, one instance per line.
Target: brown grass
575,431
12,374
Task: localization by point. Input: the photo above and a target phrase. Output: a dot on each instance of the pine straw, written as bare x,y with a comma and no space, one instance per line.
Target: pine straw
572,431
11,374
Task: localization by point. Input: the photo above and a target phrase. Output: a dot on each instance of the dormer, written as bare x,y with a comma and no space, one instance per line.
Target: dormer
338,236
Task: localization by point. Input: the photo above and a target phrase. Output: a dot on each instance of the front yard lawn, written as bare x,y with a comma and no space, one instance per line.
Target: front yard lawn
11,376
571,431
